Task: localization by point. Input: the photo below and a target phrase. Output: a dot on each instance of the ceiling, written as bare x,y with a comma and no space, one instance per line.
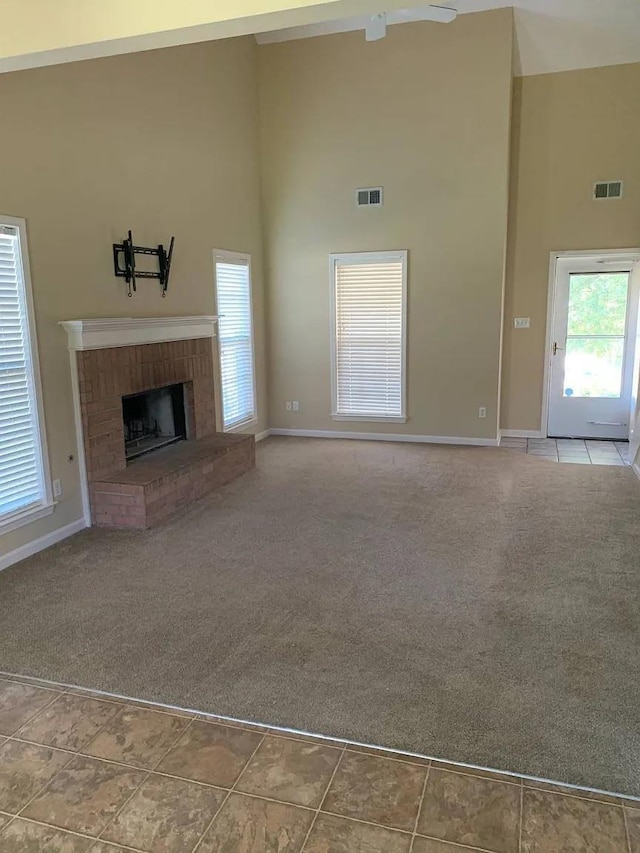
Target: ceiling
551,35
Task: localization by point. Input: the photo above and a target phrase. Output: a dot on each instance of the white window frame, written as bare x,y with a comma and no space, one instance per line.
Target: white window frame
26,515
358,258
224,256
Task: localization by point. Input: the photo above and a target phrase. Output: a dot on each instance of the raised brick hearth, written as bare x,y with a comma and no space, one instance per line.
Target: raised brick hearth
149,489
154,487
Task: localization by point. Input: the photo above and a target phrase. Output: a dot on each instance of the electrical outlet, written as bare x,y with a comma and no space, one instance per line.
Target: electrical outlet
57,489
296,406
522,322
482,412
288,405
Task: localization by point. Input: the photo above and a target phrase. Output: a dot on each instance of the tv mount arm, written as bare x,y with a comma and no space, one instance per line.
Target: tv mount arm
128,251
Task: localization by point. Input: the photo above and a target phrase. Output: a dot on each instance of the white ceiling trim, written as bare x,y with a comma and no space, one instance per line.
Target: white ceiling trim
551,35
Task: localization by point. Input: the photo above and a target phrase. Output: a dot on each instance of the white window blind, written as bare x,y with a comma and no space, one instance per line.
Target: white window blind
235,333
22,483
369,293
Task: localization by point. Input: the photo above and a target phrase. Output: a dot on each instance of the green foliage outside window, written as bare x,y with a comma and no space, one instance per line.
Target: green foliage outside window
597,306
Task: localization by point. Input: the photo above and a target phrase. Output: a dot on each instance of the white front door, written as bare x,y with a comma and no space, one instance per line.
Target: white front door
593,344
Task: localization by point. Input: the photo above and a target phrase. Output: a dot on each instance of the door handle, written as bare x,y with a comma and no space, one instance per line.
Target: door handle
556,348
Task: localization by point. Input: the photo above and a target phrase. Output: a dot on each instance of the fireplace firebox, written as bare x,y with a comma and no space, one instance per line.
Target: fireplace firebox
153,419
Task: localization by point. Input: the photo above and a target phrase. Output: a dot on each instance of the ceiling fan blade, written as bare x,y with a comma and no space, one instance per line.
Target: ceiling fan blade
376,27
440,14
377,24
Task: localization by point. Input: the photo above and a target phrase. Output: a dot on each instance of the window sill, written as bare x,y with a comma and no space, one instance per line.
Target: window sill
14,520
242,426
400,419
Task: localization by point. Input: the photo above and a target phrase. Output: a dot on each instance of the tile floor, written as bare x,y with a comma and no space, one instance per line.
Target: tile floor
84,773
574,450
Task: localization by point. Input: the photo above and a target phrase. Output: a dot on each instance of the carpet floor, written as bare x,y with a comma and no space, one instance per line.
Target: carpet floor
476,605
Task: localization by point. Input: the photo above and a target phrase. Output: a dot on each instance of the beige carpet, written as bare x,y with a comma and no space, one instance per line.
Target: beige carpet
473,604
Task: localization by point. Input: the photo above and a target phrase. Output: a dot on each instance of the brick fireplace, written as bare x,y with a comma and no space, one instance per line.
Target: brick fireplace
114,363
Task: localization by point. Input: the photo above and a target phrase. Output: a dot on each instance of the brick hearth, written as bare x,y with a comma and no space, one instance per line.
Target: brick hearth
154,487
149,489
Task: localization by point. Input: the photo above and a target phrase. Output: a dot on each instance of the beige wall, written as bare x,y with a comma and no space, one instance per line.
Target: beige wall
426,113
569,130
163,143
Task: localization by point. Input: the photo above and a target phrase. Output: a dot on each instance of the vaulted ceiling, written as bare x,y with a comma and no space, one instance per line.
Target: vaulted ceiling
551,35
34,33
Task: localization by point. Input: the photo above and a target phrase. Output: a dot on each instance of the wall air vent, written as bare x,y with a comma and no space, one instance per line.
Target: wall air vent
608,189
369,197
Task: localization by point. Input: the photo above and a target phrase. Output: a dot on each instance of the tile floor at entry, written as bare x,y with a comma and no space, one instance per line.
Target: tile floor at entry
85,773
575,450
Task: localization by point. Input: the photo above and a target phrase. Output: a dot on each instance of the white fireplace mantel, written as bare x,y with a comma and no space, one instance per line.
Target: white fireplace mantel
129,331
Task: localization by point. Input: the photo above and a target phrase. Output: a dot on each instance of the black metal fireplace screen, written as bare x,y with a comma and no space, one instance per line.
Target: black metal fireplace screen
153,420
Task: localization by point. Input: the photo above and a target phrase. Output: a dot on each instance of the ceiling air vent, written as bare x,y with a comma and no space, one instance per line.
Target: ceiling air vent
608,189
369,197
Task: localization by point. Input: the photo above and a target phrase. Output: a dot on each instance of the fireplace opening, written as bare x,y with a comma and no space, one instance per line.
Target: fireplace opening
153,420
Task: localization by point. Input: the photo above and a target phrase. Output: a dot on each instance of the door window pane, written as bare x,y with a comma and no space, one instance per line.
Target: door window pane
598,303
593,367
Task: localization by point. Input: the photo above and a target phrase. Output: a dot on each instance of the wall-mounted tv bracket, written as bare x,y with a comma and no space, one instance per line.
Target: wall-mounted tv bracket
129,273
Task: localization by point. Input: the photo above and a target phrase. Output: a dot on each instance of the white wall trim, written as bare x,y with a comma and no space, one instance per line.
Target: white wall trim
522,433
131,331
551,298
37,545
384,436
260,436
82,459
636,469
616,255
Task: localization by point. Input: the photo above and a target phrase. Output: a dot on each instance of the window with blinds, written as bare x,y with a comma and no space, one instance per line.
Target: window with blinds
22,477
369,336
235,339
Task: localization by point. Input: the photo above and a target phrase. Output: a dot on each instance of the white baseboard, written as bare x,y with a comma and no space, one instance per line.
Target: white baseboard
522,433
384,436
260,436
37,545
